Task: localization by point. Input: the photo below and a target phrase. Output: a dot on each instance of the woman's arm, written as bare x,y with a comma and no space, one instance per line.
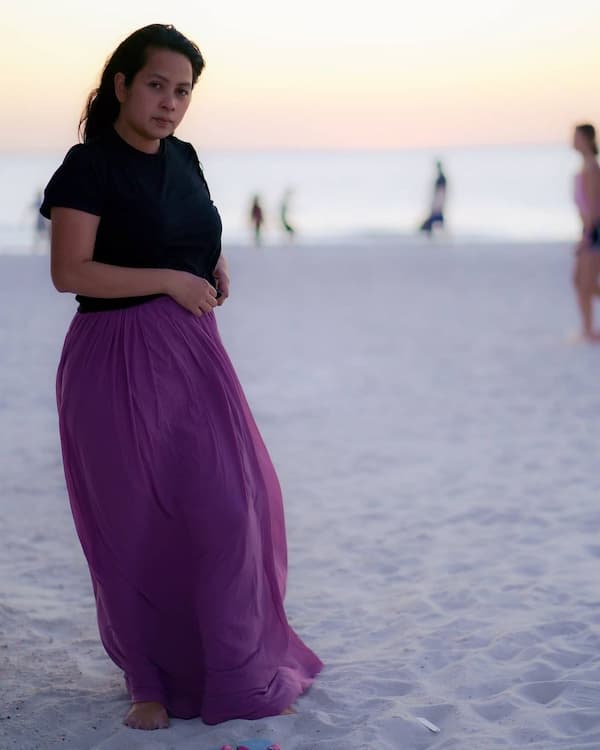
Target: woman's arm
74,270
591,217
594,188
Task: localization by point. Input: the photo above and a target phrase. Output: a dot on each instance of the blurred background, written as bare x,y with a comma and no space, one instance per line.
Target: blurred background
347,105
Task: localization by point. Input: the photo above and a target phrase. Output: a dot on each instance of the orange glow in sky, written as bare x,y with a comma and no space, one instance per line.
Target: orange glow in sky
321,73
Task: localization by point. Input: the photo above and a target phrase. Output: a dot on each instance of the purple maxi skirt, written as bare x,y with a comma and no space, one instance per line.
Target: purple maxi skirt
179,513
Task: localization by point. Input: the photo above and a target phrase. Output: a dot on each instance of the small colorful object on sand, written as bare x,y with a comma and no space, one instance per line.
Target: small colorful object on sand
252,745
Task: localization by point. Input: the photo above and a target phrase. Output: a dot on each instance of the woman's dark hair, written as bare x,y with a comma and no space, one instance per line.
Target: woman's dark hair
102,107
589,131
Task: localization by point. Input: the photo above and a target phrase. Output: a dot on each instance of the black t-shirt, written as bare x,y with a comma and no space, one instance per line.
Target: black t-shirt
155,209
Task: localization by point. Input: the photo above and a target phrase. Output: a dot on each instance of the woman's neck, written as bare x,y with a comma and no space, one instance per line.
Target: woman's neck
134,139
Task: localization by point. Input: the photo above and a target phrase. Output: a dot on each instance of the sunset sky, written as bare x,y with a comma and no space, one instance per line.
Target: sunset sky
321,73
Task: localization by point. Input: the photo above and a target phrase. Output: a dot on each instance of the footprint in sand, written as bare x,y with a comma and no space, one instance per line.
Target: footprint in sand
494,710
543,692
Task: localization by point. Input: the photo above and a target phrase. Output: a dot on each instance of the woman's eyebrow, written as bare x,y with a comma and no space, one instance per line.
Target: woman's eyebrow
164,78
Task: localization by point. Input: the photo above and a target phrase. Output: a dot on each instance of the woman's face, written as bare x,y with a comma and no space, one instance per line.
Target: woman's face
156,101
581,142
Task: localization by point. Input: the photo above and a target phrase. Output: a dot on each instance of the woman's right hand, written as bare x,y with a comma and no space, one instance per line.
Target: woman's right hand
192,292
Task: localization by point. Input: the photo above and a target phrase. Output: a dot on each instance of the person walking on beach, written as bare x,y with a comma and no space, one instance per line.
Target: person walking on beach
587,251
41,228
257,218
436,215
174,497
283,215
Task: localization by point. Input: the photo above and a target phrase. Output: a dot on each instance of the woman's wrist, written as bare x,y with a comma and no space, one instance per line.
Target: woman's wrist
167,275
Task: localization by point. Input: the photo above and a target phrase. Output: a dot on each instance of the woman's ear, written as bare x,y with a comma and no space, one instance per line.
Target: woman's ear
120,87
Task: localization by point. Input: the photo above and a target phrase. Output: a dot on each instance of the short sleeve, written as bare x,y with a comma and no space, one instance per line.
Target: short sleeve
77,183
192,156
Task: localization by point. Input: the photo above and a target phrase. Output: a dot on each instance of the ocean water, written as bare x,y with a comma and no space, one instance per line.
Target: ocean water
494,192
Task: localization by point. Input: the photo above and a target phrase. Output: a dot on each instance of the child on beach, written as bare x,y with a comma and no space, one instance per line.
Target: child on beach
175,500
587,200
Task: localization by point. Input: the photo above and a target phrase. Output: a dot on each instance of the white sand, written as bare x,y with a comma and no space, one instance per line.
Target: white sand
436,433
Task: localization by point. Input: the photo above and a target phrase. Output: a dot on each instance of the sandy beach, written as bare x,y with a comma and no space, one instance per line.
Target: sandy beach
434,424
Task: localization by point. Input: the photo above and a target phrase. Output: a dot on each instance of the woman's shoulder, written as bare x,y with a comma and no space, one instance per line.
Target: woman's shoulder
591,167
185,149
88,155
80,182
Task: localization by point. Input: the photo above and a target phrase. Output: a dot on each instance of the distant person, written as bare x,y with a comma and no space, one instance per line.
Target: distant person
41,226
436,217
257,219
587,200
174,496
283,215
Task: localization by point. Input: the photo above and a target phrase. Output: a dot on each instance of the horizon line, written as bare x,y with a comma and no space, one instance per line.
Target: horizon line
316,149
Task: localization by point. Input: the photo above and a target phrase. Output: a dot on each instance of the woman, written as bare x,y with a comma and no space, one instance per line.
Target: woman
174,497
587,199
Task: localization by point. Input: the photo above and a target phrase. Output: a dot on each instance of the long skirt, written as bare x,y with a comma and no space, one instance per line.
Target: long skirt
179,513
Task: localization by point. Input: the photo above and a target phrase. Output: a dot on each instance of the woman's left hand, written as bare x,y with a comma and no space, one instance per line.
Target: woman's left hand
221,274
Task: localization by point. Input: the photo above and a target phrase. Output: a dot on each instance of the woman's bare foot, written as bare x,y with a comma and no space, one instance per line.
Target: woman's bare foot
146,715
287,711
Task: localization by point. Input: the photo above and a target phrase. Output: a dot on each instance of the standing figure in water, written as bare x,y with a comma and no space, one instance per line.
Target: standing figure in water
257,218
587,250
283,215
438,202
41,229
175,500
